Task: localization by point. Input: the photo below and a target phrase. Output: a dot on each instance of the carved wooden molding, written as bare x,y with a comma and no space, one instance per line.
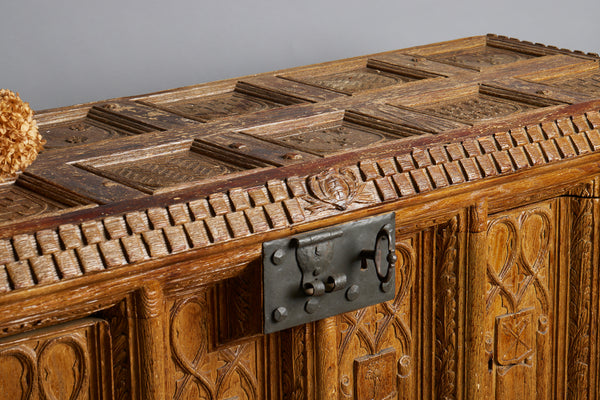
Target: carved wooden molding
537,46
73,250
580,293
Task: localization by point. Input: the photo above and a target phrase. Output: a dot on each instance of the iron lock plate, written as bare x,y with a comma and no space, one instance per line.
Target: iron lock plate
329,271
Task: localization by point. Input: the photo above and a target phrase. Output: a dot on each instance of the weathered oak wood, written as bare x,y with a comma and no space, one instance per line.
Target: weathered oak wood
130,251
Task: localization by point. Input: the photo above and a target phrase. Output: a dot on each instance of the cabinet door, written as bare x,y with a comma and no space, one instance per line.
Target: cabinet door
521,310
406,348
67,361
541,300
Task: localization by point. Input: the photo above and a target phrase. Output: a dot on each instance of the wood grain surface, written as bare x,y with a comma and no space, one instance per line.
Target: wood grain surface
130,251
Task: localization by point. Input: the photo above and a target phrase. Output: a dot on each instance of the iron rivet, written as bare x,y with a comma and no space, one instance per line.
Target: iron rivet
280,314
278,256
353,292
311,306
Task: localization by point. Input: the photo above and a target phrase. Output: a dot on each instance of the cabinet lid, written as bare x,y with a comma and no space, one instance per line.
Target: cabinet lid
143,178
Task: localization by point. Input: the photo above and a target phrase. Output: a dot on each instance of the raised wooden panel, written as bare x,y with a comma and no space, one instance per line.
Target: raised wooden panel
354,80
168,167
478,53
479,58
198,370
380,332
585,81
17,202
208,104
221,105
354,77
474,104
333,133
69,361
88,125
521,313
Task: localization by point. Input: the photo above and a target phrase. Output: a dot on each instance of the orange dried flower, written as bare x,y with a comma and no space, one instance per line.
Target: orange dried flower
20,141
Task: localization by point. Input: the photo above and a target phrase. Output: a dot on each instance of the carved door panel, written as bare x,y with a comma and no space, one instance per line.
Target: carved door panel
200,367
68,361
542,299
520,309
376,346
406,348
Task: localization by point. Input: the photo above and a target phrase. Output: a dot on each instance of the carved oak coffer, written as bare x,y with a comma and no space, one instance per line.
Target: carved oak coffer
416,224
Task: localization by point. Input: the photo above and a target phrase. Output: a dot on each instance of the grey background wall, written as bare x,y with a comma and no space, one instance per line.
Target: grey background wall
58,53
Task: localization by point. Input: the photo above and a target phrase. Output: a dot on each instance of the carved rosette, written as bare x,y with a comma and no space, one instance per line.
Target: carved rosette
335,189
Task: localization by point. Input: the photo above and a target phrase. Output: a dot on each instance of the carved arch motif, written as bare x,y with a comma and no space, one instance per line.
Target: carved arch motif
205,374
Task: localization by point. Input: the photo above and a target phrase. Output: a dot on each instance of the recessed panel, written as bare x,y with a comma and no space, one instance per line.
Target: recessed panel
88,125
333,138
349,131
17,203
474,104
214,102
355,80
150,173
482,57
585,82
68,361
221,105
476,107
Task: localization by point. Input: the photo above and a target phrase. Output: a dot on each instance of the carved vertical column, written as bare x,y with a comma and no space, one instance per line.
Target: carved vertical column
449,292
583,293
149,310
475,356
327,365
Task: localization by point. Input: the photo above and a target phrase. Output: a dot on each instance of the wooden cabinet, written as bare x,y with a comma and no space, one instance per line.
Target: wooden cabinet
131,250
